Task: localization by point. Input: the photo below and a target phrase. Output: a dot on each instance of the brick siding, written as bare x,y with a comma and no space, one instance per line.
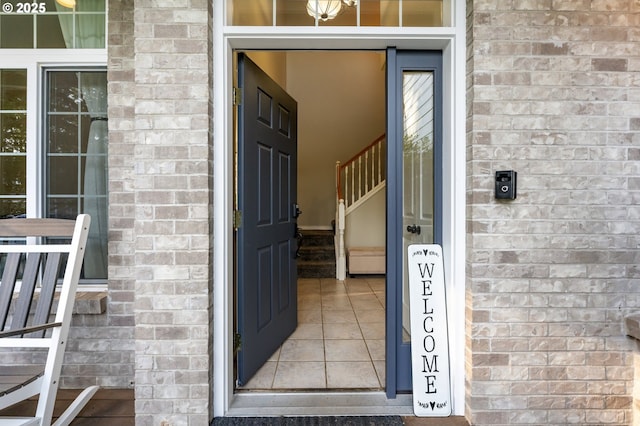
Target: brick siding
553,93
160,202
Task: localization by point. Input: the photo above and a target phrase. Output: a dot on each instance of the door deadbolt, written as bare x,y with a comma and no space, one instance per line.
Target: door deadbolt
413,229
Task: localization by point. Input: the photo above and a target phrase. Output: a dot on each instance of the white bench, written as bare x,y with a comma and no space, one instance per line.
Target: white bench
366,260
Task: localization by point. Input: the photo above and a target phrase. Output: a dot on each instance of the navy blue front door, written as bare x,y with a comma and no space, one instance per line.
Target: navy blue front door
266,243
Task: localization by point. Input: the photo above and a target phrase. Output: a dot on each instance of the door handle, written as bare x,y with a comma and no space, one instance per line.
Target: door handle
413,229
299,237
296,210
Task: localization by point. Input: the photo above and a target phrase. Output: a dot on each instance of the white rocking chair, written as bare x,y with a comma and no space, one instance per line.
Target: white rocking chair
35,267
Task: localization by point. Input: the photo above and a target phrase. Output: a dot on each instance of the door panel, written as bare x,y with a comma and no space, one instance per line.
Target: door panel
266,245
414,182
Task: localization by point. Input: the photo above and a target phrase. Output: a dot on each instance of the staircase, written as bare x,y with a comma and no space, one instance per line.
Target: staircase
317,255
357,181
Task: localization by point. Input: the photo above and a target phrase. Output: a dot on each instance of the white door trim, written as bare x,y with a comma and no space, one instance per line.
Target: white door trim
452,42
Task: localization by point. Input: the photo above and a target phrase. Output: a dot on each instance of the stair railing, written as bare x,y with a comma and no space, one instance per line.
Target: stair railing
355,180
361,174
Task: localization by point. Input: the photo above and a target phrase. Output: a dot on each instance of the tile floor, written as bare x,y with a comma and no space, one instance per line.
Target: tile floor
339,342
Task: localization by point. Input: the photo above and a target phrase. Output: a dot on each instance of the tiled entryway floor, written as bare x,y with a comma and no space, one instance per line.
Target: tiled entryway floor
339,342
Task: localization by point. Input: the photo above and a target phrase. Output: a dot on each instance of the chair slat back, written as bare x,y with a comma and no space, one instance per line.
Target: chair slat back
8,284
47,290
33,270
27,289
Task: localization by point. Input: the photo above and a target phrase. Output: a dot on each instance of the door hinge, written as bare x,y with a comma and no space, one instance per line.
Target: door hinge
237,219
237,342
237,96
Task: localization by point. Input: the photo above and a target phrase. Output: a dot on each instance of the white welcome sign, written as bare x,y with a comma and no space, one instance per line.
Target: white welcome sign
429,335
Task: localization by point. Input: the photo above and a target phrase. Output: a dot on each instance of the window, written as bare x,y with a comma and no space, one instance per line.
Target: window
76,156
361,13
53,116
57,24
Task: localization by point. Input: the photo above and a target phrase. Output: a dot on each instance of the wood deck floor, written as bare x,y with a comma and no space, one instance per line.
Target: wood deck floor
110,407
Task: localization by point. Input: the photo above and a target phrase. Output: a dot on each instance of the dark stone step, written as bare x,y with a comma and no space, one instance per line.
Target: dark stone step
317,253
316,269
316,238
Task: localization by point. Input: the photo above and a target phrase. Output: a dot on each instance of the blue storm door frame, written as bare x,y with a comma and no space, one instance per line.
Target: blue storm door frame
399,62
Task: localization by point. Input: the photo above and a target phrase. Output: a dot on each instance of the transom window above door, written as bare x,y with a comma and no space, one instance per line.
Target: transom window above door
359,13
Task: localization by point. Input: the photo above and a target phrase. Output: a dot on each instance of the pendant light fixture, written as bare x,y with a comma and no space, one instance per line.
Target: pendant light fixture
67,3
350,3
324,9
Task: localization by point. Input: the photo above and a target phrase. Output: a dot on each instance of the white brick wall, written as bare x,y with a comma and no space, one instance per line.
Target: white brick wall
551,275
160,192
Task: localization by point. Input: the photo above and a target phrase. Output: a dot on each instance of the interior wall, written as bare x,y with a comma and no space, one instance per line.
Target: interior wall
272,63
365,226
341,109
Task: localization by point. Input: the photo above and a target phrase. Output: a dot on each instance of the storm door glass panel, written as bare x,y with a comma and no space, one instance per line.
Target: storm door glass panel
76,157
13,143
418,171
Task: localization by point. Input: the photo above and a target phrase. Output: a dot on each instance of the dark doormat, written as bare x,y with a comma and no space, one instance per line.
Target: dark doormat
310,421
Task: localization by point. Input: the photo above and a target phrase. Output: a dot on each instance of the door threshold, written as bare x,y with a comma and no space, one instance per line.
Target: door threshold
319,404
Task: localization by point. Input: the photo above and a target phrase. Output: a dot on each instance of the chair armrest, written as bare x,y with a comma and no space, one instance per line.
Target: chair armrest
25,330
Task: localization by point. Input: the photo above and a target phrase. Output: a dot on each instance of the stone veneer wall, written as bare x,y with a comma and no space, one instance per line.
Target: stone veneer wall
160,165
554,93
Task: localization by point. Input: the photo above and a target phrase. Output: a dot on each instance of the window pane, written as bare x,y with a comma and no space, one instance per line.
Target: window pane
16,31
421,13
62,208
63,175
49,32
87,37
13,132
13,90
12,208
64,94
13,175
250,12
379,13
63,134
348,16
292,13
